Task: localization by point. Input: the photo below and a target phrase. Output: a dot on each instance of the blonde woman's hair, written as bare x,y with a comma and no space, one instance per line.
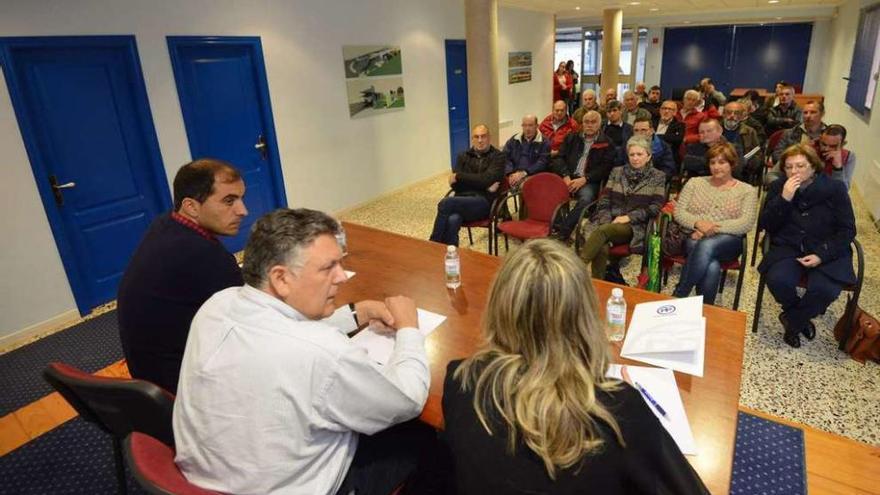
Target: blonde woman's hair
544,358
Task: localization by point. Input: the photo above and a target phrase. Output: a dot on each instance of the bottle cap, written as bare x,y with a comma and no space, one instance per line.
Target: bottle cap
450,248
617,292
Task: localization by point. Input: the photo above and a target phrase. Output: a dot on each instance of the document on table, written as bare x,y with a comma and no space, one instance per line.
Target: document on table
380,345
349,274
670,334
660,383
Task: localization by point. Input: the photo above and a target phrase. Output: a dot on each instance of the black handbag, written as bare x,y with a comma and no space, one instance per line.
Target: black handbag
672,243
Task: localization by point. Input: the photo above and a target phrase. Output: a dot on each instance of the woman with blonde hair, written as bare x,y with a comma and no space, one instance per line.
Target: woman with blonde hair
533,410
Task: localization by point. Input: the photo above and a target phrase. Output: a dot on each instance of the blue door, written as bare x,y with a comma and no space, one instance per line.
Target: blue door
82,108
457,94
224,97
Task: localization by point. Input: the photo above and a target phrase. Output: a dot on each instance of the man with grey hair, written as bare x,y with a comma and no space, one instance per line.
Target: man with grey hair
273,394
631,108
589,101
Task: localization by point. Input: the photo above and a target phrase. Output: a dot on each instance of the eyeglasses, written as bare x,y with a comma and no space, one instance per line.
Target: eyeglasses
668,108
796,166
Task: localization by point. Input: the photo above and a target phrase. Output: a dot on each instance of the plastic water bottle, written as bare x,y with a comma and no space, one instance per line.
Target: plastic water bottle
615,312
453,268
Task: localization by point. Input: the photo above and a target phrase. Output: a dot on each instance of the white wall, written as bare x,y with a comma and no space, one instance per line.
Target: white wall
862,133
654,57
820,43
329,161
523,31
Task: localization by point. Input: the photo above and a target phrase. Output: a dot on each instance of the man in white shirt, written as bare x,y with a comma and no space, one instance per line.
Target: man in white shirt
272,392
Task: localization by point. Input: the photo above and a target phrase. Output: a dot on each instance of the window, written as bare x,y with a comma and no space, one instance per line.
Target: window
568,47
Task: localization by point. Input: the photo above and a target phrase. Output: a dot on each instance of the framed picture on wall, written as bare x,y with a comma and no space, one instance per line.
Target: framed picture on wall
519,67
373,78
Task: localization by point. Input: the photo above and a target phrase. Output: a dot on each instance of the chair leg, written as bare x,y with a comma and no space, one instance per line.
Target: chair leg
739,285
470,236
506,246
120,465
489,240
755,248
758,300
723,279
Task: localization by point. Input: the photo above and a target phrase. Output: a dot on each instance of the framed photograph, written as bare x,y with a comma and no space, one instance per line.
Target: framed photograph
373,79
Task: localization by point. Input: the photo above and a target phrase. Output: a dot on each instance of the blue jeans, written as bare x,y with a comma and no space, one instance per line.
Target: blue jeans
782,280
703,266
454,211
585,195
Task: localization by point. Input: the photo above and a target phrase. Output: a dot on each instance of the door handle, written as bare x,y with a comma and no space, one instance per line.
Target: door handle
261,147
451,109
57,188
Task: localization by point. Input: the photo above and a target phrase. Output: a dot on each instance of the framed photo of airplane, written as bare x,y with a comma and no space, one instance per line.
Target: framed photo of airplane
373,77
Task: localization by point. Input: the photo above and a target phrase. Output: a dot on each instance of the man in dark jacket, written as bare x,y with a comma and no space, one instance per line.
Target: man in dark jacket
584,162
670,129
527,153
786,114
694,162
177,266
475,181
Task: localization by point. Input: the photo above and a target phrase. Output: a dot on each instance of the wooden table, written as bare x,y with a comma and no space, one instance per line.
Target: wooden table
800,98
390,264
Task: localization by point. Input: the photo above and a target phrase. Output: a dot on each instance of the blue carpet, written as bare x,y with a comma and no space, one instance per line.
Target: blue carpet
90,346
768,458
75,458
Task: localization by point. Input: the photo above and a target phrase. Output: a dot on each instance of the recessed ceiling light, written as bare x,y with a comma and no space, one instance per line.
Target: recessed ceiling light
772,1
779,18
653,9
687,22
577,8
635,3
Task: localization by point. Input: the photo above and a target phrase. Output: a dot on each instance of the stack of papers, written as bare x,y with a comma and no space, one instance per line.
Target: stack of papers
379,343
670,334
660,383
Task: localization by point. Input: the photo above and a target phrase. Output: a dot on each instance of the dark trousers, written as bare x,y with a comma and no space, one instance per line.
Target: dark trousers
703,266
585,195
384,461
163,369
454,211
782,279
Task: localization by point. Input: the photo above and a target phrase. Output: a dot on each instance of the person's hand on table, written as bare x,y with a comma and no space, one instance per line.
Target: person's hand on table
374,313
403,310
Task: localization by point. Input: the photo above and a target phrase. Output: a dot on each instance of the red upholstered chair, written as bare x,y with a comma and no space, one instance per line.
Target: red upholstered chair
668,261
152,464
118,406
488,223
544,197
772,143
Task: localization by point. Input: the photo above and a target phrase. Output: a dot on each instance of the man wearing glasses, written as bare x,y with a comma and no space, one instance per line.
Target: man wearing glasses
669,129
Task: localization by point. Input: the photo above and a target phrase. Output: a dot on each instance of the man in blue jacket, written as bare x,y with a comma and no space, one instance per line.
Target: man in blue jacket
661,154
527,153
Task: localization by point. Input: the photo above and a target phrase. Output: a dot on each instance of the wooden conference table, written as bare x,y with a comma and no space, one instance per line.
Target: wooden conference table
389,264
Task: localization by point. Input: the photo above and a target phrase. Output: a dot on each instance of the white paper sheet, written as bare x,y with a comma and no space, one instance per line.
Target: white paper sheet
349,274
660,383
670,334
379,344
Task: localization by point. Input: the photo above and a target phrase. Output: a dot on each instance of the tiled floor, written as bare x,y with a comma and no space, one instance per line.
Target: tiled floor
816,384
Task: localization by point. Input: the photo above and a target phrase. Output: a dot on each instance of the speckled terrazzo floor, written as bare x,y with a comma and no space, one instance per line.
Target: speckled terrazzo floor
816,384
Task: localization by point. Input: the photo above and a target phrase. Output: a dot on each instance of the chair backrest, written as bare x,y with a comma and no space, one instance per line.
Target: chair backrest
152,464
773,140
542,193
117,405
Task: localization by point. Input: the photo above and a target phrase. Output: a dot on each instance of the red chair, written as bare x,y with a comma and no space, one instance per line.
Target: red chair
668,261
488,223
118,406
544,197
772,143
152,465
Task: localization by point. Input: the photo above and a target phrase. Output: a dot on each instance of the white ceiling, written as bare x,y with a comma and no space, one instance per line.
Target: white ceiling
571,11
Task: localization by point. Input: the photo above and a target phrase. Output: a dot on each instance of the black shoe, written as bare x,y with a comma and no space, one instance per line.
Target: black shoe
793,340
809,331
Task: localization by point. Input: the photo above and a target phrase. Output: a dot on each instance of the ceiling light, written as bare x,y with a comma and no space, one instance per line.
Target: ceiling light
577,8
653,9
687,22
779,18
635,3
772,1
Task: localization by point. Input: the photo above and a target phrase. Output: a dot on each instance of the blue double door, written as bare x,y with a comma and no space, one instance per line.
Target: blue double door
85,119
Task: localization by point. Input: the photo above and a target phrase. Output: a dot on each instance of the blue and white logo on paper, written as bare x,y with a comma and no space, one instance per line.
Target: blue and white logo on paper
666,309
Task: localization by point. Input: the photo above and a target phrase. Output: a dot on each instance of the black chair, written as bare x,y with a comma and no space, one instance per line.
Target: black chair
118,406
851,303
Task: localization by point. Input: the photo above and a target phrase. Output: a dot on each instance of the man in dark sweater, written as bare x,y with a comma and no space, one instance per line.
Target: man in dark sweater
177,267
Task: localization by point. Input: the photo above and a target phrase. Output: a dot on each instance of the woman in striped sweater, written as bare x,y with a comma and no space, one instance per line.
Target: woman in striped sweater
634,195
717,211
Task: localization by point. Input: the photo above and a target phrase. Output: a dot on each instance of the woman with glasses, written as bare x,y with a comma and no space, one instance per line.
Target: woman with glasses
809,219
533,411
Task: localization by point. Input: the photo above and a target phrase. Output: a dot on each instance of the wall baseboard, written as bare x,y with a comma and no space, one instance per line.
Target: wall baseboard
345,211
35,332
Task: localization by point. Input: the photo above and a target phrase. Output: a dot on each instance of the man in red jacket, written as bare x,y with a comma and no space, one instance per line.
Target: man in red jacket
556,126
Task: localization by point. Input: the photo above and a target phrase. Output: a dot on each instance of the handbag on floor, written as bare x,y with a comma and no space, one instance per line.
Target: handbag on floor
864,334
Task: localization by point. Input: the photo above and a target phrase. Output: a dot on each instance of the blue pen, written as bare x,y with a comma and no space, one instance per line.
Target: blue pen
651,400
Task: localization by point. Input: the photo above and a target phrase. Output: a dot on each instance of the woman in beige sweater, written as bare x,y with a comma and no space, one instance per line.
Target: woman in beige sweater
716,211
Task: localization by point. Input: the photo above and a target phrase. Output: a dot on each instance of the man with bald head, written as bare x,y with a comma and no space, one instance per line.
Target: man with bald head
556,126
476,179
527,153
584,161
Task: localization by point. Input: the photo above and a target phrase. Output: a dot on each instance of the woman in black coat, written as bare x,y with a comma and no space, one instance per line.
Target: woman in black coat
811,225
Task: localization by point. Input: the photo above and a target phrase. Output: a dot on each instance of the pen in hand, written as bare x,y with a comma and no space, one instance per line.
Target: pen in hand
653,401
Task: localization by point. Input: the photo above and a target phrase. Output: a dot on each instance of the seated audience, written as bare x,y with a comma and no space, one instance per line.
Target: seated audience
840,163
273,394
694,163
545,350
610,95
527,153
562,84
640,92
588,102
711,95
556,126
809,219
806,133
691,114
661,153
634,195
736,131
670,129
786,113
717,211
178,265
631,108
475,181
584,162
652,102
